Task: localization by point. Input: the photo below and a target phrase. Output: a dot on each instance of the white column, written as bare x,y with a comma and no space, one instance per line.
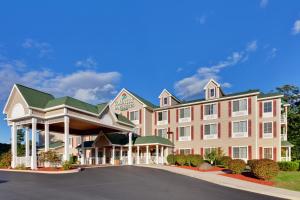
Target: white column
82,151
33,144
66,138
130,149
96,155
27,149
156,161
147,154
46,136
13,145
290,154
113,155
104,156
138,155
162,155
121,154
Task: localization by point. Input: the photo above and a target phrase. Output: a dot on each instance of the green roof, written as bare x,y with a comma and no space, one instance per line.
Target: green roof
241,93
263,95
69,101
101,107
117,138
123,119
152,140
86,144
286,144
33,97
148,103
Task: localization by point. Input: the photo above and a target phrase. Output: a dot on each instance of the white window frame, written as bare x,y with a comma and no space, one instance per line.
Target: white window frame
268,147
184,138
239,113
239,134
163,101
214,89
232,154
267,114
210,117
166,134
210,149
210,136
137,121
163,122
267,135
185,119
190,149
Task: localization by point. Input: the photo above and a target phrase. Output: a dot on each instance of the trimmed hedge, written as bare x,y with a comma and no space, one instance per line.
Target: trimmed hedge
237,166
225,161
171,159
181,160
5,159
252,162
288,166
196,160
265,169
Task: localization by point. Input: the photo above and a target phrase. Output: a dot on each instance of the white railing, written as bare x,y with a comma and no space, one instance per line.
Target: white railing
23,161
283,119
283,137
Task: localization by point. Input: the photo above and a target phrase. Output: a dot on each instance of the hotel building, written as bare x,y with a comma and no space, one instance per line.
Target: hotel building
245,125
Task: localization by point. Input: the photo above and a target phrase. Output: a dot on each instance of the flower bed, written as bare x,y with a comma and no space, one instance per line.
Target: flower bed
213,169
248,177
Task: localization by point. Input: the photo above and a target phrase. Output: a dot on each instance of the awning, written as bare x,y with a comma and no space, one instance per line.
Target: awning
286,144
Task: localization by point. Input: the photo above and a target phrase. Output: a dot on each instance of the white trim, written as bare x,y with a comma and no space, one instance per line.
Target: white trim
246,134
163,122
256,130
271,134
185,119
163,129
211,80
170,95
10,94
179,149
271,97
247,148
136,122
210,117
144,121
125,90
268,147
268,114
185,138
239,113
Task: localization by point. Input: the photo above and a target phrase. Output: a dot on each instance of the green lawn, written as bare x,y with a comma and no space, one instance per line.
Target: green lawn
288,180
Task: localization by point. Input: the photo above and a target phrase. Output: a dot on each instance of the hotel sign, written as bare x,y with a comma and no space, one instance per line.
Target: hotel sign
124,103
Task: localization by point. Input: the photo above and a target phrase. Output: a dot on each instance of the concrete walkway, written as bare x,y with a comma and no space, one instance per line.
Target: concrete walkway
213,177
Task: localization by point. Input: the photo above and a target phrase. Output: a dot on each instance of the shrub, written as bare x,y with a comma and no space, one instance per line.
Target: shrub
73,159
196,160
212,156
252,162
50,156
288,166
265,169
5,159
188,159
171,159
225,161
21,167
181,160
67,165
236,166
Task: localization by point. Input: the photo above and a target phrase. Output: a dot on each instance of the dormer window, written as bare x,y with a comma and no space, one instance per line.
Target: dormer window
165,101
212,92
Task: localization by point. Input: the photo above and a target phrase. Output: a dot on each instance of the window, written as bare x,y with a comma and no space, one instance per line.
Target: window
268,153
165,100
240,107
210,109
267,107
185,115
162,133
240,129
212,92
210,131
185,151
185,133
268,129
239,153
134,116
162,118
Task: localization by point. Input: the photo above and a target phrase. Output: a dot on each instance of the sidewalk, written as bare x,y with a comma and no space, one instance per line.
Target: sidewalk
213,177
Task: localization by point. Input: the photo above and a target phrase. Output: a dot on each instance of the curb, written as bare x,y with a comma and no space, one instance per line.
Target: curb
43,172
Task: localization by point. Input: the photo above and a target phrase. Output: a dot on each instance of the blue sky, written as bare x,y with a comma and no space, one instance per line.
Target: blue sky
92,49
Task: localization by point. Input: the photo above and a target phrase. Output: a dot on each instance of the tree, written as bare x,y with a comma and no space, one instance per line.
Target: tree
20,140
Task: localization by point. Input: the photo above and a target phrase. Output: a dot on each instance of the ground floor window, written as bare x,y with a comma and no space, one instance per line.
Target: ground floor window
184,151
208,150
268,153
239,153
162,133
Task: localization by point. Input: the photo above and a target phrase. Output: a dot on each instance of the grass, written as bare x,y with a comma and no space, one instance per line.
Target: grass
288,180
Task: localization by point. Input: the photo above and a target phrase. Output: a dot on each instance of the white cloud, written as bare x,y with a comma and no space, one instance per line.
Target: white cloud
296,28
87,63
201,20
193,85
44,49
91,86
252,46
272,53
179,69
264,3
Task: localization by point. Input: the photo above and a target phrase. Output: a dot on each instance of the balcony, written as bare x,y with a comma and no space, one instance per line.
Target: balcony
283,137
283,119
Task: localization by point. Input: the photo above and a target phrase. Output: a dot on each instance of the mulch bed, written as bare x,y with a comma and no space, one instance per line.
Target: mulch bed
51,169
247,176
213,169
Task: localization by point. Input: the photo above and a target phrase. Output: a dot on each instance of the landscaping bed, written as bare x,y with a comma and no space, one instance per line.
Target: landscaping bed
248,177
212,169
